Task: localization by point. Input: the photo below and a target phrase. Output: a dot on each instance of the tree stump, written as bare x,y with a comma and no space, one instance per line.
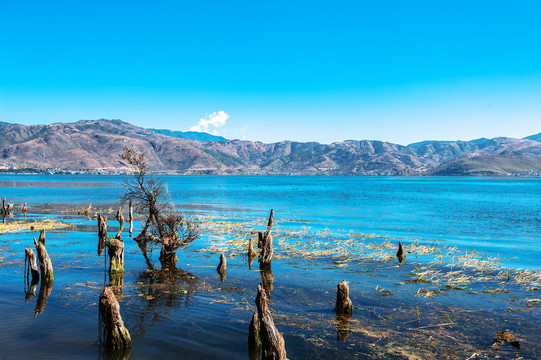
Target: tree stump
272,342
115,336
130,217
251,253
31,265
267,277
400,254
24,210
254,337
266,250
45,264
168,256
343,303
222,267
102,234
120,218
115,248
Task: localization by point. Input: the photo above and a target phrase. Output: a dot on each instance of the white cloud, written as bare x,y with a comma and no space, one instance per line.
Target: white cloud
211,122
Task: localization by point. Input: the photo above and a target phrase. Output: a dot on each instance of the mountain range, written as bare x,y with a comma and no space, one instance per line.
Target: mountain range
94,145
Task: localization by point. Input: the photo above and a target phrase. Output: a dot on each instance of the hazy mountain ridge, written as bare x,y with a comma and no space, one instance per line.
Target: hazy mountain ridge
191,135
95,144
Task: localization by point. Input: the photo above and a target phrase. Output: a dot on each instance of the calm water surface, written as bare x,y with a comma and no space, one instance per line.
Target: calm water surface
191,314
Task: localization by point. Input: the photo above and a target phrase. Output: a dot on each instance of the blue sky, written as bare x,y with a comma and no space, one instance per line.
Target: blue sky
400,71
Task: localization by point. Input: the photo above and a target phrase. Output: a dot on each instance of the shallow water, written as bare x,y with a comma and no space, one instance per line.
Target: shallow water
191,314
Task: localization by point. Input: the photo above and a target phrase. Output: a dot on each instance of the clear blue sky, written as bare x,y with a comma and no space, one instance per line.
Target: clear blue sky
326,71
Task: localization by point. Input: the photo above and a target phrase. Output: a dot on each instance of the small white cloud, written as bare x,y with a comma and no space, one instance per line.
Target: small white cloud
211,122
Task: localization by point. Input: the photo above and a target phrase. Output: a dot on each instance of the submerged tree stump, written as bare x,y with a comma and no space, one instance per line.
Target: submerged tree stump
24,210
272,342
102,234
115,336
45,264
222,267
168,255
31,265
400,254
254,337
265,241
115,248
343,303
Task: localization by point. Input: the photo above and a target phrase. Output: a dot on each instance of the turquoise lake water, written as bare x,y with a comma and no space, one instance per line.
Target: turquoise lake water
192,314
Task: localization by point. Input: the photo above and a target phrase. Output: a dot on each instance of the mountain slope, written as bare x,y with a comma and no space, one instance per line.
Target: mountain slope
191,135
96,144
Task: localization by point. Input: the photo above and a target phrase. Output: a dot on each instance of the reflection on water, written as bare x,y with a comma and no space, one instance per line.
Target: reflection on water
267,277
44,292
342,327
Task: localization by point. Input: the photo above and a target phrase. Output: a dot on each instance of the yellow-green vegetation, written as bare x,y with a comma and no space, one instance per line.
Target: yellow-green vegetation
22,226
441,265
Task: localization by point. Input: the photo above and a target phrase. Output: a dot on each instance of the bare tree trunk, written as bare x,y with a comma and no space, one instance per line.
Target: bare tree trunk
343,303
120,219
222,267
116,335
272,342
102,234
45,264
130,217
32,265
115,248
168,256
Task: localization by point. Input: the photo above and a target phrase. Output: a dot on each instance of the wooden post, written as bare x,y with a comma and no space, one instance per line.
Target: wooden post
102,234
130,217
45,264
116,336
31,266
120,219
222,267
400,254
272,342
115,248
343,303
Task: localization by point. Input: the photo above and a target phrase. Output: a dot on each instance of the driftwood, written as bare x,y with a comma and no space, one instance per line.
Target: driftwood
272,342
115,248
222,267
130,217
343,303
115,335
400,254
24,210
102,234
120,218
45,264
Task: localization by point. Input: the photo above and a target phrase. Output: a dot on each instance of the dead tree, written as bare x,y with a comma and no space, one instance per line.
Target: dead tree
149,195
45,264
343,302
31,265
115,249
115,335
272,342
130,216
120,218
400,254
102,234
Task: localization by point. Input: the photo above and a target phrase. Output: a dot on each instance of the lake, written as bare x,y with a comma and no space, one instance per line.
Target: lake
192,314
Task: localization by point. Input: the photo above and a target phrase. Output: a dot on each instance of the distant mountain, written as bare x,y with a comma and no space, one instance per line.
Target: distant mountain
192,135
534,137
95,145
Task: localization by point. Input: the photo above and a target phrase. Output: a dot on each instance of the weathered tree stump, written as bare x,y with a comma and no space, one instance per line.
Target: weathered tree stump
9,208
267,277
130,217
115,336
252,254
31,264
87,210
222,267
265,240
400,254
24,210
102,234
115,248
271,220
120,218
168,256
272,342
45,264
254,337
343,302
